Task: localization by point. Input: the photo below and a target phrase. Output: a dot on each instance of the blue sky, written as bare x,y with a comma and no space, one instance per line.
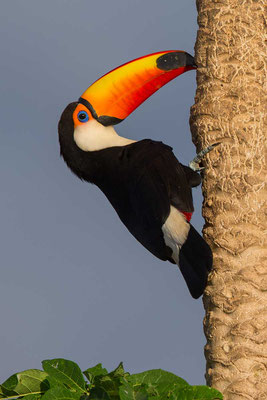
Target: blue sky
74,283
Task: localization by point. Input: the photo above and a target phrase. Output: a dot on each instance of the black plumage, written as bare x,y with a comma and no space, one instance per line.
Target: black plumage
142,180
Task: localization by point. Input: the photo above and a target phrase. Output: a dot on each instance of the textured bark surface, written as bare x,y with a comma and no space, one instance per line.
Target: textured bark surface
230,107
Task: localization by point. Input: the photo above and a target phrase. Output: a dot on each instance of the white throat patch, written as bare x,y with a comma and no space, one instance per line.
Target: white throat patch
92,136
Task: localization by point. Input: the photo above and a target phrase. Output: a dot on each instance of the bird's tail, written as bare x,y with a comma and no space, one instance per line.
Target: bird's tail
195,261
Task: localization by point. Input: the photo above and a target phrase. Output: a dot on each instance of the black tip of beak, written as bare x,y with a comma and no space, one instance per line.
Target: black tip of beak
190,61
175,59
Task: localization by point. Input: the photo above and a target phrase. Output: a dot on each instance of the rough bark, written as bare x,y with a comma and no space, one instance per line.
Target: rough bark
230,107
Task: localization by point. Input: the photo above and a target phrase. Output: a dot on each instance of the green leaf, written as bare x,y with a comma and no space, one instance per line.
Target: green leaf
98,393
109,385
128,392
61,393
119,371
111,382
91,373
157,376
30,382
196,393
63,380
25,397
65,372
159,384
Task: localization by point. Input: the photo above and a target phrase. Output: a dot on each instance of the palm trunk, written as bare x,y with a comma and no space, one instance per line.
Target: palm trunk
230,108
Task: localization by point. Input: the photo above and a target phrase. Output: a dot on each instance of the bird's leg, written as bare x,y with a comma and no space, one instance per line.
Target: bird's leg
194,164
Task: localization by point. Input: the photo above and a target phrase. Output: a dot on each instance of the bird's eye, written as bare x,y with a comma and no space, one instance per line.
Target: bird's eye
83,116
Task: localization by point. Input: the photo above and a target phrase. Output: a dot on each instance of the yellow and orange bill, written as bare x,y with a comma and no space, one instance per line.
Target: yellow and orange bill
118,93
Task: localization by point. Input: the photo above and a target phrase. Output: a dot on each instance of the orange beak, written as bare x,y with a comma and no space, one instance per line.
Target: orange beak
118,93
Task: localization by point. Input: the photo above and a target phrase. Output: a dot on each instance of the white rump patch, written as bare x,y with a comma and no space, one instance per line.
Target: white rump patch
175,232
92,136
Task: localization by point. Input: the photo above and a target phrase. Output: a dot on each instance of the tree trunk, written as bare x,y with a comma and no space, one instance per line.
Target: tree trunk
229,108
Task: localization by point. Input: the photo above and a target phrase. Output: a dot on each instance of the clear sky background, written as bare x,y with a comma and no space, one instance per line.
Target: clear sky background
74,283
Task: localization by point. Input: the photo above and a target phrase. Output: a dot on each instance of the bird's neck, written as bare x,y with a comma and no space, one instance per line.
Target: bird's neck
93,136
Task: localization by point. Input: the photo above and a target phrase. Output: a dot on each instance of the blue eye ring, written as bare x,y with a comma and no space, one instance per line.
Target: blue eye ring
83,116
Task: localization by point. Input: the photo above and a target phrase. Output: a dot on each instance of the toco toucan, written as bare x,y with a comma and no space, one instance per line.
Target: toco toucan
143,180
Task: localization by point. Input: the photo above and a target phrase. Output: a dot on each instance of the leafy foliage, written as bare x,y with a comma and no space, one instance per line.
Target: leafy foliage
63,380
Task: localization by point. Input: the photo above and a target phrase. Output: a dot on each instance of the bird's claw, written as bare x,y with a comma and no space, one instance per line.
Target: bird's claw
195,166
195,163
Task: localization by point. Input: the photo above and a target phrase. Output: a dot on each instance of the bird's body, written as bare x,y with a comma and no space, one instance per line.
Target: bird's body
145,183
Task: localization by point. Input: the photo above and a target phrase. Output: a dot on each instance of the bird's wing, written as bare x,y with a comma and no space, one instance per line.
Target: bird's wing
159,175
142,180
153,181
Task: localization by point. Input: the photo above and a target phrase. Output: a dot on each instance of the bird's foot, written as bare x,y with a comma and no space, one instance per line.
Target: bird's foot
195,163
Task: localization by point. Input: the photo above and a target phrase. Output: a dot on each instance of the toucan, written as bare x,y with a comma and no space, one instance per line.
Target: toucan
148,187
